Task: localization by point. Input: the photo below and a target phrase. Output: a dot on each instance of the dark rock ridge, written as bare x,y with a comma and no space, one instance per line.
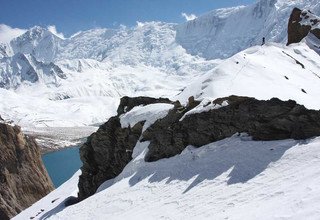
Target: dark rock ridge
297,30
23,177
263,120
109,150
128,103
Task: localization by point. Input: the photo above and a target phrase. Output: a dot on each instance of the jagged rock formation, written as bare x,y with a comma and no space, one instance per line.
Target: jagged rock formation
23,177
301,23
263,120
109,150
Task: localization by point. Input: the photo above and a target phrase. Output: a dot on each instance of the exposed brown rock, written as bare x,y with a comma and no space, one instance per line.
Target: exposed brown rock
23,177
297,31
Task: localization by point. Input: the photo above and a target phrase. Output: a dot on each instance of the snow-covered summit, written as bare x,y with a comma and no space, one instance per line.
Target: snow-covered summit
25,68
154,59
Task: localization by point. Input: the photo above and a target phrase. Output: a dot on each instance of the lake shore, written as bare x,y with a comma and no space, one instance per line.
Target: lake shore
51,139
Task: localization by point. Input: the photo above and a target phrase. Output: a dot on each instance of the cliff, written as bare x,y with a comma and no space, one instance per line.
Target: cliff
23,177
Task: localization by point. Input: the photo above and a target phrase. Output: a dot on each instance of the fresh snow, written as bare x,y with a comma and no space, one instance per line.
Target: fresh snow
235,178
148,113
263,72
205,106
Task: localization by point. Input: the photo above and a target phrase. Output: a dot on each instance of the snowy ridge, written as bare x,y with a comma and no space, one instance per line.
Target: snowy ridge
25,68
263,72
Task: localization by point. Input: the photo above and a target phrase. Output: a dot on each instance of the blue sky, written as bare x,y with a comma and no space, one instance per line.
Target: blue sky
70,16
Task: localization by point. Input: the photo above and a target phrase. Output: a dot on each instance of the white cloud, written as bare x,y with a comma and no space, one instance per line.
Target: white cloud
53,30
7,33
189,17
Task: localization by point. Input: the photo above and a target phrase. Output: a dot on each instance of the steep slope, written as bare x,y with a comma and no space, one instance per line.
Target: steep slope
240,27
39,42
263,72
23,178
22,68
256,177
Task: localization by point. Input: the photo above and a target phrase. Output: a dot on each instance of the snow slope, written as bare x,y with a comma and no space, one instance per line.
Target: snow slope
222,33
263,72
235,178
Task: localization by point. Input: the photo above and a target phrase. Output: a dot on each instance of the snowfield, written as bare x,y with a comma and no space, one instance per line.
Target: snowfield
235,178
64,87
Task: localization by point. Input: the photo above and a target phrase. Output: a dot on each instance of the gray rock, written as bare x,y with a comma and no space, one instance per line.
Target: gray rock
105,154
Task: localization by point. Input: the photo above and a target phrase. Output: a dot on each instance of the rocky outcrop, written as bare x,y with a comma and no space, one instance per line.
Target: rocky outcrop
263,120
105,154
301,23
109,150
23,177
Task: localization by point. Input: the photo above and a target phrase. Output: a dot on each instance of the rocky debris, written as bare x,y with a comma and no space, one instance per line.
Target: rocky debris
128,103
301,23
23,177
263,120
109,150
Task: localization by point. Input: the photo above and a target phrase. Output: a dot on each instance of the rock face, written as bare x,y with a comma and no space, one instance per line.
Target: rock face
301,23
263,120
23,178
109,150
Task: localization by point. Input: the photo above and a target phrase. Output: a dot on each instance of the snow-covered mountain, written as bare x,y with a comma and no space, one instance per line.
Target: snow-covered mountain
153,59
24,68
56,82
222,33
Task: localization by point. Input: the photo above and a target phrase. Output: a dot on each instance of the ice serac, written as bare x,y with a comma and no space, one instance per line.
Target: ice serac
301,24
23,177
109,150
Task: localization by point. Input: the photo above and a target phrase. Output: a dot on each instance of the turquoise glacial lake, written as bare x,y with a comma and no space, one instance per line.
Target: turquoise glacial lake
62,164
